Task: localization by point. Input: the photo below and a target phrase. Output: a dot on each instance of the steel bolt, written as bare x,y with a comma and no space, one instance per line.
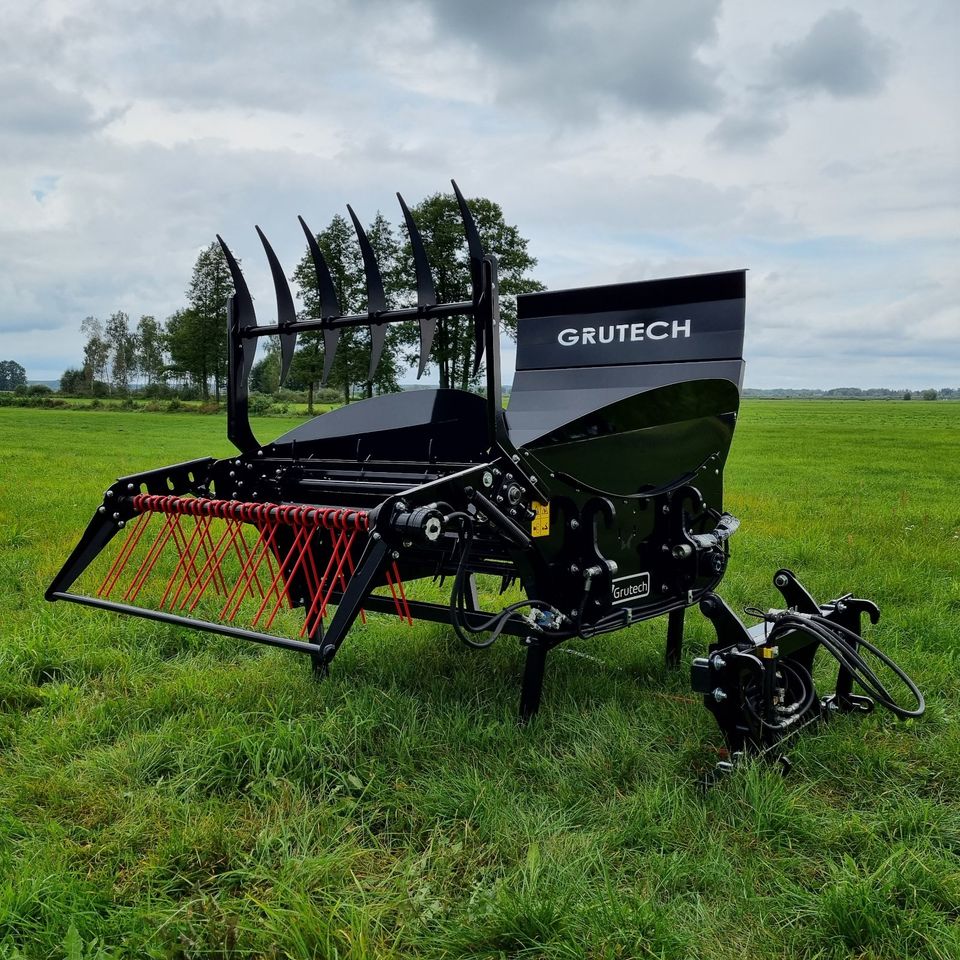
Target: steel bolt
121,524
665,509
780,580
116,516
395,554
574,524
109,493
131,487
719,695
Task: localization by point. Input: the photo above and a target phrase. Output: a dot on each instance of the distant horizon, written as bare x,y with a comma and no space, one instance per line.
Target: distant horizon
54,384
808,143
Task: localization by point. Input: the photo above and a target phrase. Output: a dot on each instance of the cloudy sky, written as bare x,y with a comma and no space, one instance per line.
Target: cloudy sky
817,144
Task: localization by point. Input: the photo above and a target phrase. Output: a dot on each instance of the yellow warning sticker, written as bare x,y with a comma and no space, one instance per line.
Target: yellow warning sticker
540,525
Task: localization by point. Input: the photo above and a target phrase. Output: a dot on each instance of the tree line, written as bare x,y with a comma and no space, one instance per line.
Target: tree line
188,351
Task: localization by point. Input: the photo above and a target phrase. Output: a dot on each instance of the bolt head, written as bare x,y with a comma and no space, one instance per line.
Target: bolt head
719,695
780,580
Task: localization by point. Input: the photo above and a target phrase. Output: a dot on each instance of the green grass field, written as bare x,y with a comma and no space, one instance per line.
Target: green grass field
171,794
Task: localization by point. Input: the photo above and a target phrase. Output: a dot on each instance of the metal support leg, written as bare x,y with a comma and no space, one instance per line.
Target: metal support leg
317,662
675,636
532,684
369,567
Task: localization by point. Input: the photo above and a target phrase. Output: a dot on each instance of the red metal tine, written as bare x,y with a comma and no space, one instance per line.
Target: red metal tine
150,560
403,594
188,555
206,541
323,593
313,581
304,534
280,577
212,566
129,545
261,549
242,556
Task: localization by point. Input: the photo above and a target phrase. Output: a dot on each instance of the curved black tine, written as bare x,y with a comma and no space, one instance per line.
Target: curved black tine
329,301
244,312
376,298
476,271
426,293
286,312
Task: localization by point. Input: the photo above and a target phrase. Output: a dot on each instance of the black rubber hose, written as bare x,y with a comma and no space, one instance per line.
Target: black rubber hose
830,635
796,709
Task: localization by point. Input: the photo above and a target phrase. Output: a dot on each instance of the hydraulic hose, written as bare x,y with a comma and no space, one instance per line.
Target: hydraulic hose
831,636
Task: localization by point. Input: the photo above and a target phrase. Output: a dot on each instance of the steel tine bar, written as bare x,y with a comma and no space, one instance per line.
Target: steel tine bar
188,556
335,540
245,578
279,577
345,557
426,292
393,593
403,593
212,567
296,550
308,533
351,566
242,549
329,301
376,298
231,532
475,248
150,560
129,545
313,582
286,313
206,541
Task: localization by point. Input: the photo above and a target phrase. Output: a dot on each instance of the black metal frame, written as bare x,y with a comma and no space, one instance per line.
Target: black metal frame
449,488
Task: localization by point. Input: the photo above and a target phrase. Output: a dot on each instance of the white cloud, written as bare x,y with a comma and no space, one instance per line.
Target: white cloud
815,145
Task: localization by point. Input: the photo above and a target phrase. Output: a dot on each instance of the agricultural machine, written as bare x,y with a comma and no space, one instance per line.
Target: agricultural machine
598,492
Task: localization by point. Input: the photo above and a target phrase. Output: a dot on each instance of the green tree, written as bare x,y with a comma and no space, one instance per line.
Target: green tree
198,341
122,345
150,349
12,375
441,227
265,375
73,383
96,351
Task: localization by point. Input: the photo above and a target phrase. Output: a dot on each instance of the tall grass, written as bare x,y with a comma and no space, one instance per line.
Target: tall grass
168,794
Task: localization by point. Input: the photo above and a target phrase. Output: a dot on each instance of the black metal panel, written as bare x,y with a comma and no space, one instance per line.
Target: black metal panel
430,425
541,401
685,318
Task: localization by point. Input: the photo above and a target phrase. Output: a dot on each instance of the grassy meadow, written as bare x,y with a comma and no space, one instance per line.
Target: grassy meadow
168,794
